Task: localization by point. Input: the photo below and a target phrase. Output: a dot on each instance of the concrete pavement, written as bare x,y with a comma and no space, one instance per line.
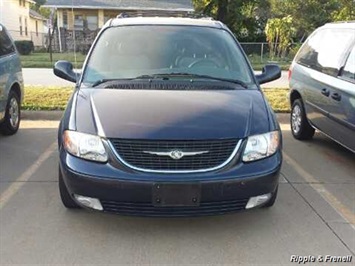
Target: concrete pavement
45,77
313,214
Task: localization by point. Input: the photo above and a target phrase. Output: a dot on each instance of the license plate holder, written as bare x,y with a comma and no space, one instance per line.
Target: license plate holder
176,195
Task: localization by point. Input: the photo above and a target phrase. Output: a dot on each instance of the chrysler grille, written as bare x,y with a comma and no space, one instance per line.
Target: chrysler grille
133,153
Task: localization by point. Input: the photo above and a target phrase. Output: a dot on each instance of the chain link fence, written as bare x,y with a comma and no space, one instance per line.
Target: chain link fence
260,52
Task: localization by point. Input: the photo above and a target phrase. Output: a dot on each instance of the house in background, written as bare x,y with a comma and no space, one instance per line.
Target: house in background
92,14
38,28
22,22
82,19
15,16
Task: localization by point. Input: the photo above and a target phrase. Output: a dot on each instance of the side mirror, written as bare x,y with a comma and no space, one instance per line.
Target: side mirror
270,72
64,70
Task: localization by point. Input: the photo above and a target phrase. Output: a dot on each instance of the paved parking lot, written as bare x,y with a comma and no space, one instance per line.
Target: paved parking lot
314,214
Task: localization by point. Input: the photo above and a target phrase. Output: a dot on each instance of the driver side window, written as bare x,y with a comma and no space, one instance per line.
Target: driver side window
6,46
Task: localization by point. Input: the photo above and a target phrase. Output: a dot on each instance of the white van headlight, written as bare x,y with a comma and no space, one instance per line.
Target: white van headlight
86,146
261,146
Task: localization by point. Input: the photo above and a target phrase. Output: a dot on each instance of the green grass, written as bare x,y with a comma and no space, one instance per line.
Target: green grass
42,60
278,99
55,98
46,98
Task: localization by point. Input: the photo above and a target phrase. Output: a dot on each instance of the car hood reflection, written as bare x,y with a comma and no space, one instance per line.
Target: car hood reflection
171,115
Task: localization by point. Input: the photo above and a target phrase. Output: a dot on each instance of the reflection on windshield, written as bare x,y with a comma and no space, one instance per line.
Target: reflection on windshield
132,51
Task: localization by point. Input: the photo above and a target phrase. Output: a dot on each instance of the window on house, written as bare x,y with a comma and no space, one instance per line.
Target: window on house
26,33
24,3
65,19
20,23
91,22
78,22
36,28
20,2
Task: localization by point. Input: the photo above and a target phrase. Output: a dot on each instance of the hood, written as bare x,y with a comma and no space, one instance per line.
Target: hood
171,115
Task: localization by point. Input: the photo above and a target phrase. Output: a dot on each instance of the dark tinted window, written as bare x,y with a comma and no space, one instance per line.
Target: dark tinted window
6,46
349,69
326,49
132,51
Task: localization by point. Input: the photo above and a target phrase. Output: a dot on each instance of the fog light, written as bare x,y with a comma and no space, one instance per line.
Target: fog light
89,202
258,200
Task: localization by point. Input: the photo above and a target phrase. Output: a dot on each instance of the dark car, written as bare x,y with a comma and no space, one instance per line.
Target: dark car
322,82
11,85
168,119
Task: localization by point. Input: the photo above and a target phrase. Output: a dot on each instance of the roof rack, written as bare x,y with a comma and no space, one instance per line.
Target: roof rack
194,15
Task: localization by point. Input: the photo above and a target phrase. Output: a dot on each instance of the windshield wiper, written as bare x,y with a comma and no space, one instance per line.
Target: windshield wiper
101,81
190,75
173,74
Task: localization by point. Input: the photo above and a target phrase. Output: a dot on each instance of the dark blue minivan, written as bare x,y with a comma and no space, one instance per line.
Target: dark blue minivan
168,119
322,83
11,85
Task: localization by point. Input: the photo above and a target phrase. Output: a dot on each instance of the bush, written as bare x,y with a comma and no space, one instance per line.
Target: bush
40,49
24,47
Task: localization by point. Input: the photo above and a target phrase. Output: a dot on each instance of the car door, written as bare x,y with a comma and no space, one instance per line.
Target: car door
7,66
342,96
2,75
319,63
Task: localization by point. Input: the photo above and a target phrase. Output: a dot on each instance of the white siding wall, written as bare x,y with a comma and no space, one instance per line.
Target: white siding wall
10,12
37,37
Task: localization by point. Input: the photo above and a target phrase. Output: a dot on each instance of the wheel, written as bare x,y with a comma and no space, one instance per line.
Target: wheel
12,119
67,200
300,127
272,200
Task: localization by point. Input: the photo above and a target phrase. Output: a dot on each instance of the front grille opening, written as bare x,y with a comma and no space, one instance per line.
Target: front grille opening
147,209
135,153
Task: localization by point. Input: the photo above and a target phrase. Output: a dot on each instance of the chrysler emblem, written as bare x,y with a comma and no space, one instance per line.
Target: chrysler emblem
175,154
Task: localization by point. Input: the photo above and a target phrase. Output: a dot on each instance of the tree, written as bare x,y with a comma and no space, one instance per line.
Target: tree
41,10
346,11
246,18
279,33
39,3
307,14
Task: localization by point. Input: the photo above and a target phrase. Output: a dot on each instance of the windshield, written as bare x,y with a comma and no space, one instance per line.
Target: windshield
134,51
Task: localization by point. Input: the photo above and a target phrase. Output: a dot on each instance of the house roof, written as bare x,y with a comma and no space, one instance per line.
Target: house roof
173,5
34,14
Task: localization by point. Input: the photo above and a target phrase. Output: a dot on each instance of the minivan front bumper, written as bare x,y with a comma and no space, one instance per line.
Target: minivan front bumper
135,193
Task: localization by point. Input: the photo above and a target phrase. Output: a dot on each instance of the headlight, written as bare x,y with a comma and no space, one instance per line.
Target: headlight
261,146
85,146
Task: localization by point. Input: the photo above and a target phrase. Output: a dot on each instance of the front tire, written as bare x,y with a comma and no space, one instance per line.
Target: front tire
11,123
300,127
67,200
